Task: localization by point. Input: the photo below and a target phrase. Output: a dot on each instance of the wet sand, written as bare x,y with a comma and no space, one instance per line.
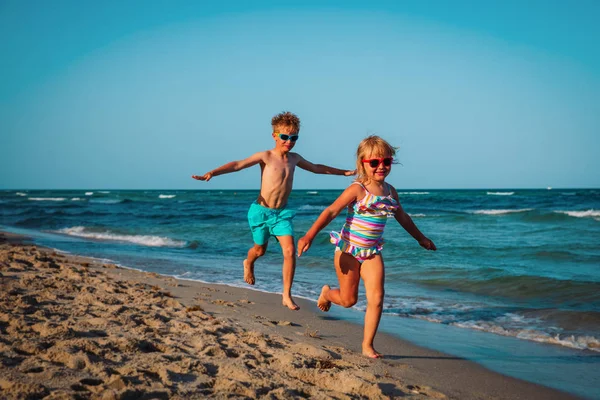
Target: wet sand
73,327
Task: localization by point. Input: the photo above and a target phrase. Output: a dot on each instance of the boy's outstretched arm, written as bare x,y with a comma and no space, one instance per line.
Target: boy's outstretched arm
348,196
323,169
232,166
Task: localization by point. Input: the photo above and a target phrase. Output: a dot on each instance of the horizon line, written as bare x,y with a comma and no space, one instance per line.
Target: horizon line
307,189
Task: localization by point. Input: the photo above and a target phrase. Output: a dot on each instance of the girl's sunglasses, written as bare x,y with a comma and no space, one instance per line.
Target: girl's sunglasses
374,162
285,137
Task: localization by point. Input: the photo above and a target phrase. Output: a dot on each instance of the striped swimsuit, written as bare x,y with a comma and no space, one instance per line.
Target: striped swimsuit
362,233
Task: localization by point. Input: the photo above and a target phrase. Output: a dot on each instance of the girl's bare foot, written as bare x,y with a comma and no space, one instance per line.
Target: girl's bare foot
323,303
289,303
370,352
248,273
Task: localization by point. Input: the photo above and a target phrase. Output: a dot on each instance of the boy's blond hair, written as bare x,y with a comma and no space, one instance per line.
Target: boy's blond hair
371,146
286,118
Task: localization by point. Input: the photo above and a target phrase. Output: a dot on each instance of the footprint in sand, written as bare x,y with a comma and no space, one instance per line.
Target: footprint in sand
223,303
34,370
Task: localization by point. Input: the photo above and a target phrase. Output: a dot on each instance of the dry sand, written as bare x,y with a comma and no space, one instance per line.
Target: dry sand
75,328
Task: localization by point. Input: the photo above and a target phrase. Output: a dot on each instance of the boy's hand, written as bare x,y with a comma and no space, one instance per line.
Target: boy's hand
206,177
303,245
350,173
427,244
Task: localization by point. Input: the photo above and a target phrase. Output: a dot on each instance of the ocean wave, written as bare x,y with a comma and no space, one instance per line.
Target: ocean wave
38,222
568,256
572,341
521,287
89,193
166,196
144,240
414,193
21,194
500,193
312,192
47,198
500,212
109,201
543,325
581,214
417,215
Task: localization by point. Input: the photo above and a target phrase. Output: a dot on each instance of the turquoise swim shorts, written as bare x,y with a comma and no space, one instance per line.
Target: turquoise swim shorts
265,222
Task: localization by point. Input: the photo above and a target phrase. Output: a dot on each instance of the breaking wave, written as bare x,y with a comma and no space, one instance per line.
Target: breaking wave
144,240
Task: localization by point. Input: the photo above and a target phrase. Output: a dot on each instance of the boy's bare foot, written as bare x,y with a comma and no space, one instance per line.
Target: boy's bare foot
248,273
370,352
289,303
323,303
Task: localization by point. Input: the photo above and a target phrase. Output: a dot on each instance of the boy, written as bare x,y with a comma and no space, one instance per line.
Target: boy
268,215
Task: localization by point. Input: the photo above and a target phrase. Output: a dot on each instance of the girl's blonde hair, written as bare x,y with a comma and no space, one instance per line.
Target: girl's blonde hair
371,146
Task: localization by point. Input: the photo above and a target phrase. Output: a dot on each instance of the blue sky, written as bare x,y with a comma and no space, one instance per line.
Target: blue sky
141,95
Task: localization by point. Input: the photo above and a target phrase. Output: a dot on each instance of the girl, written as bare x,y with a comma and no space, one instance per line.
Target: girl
369,200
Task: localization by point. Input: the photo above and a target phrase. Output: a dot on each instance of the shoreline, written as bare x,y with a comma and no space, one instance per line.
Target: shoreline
186,338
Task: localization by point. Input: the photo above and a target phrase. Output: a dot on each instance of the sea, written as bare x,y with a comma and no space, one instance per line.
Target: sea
514,284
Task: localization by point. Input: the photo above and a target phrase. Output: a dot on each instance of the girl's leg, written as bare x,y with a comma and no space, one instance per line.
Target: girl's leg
347,269
373,275
258,250
289,268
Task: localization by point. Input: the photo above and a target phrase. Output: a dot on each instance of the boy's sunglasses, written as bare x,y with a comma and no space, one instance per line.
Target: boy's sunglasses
374,162
285,137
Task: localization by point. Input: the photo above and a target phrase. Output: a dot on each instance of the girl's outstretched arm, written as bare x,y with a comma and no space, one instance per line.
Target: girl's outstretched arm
352,193
409,226
322,169
232,166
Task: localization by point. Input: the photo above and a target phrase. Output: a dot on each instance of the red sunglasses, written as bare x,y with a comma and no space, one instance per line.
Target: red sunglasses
374,162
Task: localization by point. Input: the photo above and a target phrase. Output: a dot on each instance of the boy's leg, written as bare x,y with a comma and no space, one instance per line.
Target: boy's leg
373,275
347,269
260,234
289,268
256,251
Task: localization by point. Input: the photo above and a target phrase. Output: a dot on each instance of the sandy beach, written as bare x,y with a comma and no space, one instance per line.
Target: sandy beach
77,328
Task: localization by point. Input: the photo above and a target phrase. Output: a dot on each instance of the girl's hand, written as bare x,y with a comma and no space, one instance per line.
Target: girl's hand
303,245
350,173
206,177
427,244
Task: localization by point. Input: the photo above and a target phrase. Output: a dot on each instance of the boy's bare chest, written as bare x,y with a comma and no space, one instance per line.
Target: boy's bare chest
279,169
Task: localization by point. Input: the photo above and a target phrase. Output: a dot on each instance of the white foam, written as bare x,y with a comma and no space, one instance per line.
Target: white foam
47,198
428,318
104,191
417,215
414,193
76,199
89,193
312,192
144,240
21,194
500,193
500,212
575,342
166,196
581,214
